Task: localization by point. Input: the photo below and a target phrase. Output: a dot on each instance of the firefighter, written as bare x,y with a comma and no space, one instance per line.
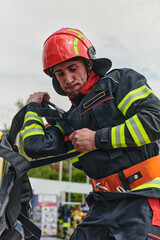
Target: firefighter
116,120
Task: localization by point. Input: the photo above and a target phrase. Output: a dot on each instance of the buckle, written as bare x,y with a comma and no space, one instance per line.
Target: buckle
101,187
120,189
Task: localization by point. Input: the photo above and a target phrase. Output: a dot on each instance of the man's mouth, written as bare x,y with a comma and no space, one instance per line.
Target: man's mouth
71,87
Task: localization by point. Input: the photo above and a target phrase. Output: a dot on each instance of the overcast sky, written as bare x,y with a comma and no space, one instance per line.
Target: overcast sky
126,31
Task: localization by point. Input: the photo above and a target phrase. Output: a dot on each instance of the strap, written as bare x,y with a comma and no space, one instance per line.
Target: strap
57,114
67,129
33,232
46,104
134,177
48,113
53,159
11,234
26,190
19,163
124,181
16,125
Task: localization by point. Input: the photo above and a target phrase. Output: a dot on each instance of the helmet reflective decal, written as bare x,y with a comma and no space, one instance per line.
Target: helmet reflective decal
80,35
75,46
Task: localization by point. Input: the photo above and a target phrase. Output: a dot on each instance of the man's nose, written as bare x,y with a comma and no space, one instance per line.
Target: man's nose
68,77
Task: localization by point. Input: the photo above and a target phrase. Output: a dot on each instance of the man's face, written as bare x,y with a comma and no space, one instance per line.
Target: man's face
72,75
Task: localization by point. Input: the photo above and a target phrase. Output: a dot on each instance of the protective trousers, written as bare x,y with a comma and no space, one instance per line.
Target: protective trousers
121,219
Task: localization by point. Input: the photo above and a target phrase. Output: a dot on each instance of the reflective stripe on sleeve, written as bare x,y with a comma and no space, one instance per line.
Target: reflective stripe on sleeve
137,131
155,183
118,136
33,129
32,116
139,93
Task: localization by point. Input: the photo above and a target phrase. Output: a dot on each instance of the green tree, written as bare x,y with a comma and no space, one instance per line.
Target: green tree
5,129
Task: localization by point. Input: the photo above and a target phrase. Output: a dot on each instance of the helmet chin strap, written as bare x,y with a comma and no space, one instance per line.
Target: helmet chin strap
88,64
88,73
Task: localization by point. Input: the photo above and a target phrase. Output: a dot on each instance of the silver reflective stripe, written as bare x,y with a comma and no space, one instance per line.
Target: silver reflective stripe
118,136
137,131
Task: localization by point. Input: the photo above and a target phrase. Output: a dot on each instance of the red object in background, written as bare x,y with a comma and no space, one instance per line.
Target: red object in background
55,166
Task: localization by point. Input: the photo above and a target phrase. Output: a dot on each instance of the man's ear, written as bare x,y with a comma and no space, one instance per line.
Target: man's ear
90,65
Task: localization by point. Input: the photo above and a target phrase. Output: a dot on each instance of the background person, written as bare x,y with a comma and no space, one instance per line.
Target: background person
77,215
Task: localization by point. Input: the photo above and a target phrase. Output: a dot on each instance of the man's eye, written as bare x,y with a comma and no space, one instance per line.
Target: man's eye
60,74
73,69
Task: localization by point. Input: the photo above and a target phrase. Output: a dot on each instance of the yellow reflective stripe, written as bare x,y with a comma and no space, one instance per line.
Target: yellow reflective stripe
2,169
137,131
66,224
57,125
75,46
1,135
60,221
73,150
113,137
118,136
80,35
155,183
32,116
31,130
132,96
2,164
76,159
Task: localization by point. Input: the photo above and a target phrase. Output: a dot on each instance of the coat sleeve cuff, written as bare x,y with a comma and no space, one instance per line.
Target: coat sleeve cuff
102,139
31,106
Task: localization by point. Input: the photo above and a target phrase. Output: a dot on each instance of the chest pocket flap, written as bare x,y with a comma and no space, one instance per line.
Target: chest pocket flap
94,100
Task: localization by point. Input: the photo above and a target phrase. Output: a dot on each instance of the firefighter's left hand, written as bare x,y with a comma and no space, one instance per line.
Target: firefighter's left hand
83,139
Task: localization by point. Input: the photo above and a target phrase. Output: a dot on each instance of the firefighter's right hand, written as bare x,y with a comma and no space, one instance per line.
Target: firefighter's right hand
38,97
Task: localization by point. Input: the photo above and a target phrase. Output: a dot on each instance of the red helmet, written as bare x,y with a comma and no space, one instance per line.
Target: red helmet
64,44
68,43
